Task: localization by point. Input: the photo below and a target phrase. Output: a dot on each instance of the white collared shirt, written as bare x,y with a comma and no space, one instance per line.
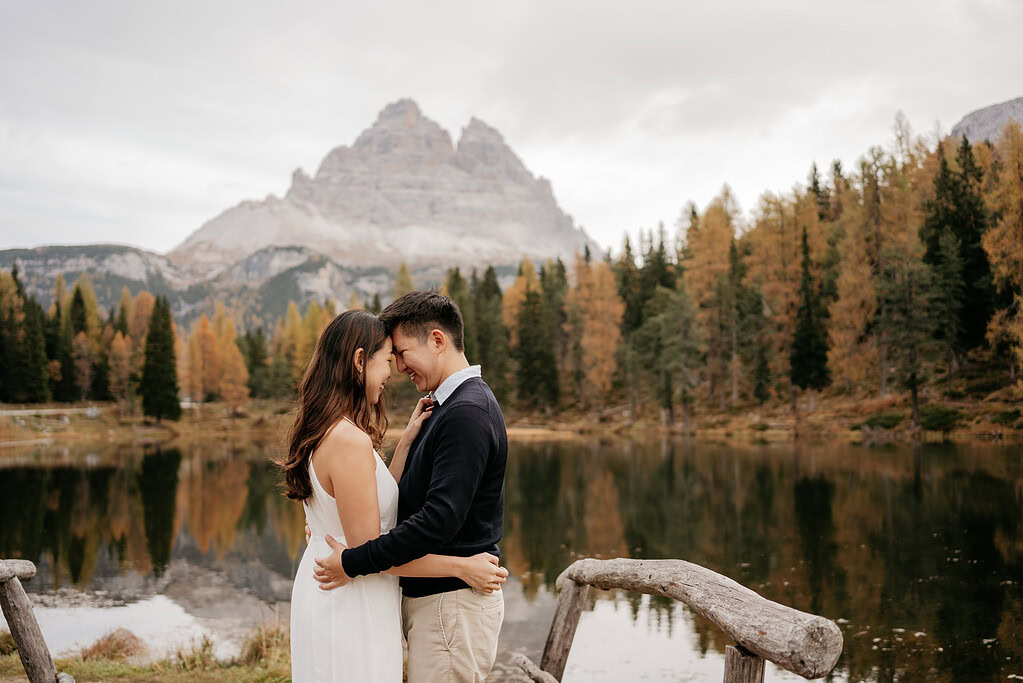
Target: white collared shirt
454,380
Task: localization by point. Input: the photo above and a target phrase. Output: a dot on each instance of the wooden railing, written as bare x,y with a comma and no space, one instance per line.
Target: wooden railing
805,644
35,656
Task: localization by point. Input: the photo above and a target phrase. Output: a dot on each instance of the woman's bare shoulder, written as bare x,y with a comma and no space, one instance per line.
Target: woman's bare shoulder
347,444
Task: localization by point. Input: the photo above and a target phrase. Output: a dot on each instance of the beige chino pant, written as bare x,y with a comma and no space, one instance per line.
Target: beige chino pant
452,637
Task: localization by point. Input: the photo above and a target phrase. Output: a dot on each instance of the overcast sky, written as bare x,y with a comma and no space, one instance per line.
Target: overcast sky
135,122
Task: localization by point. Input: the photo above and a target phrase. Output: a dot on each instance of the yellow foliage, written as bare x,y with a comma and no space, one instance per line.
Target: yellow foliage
120,366
209,365
84,284
599,309
403,282
138,325
515,295
234,387
1004,240
707,248
851,356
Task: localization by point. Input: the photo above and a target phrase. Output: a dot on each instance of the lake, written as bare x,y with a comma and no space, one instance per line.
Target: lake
915,550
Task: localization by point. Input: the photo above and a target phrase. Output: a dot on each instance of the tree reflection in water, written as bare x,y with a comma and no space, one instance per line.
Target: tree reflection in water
919,547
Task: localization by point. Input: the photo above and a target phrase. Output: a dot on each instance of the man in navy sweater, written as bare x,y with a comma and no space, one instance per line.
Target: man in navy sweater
450,497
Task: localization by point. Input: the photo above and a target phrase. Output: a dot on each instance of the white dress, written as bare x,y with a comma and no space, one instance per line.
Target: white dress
351,633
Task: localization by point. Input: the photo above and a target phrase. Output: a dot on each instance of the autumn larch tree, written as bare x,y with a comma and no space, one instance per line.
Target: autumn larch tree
1004,241
403,283
120,369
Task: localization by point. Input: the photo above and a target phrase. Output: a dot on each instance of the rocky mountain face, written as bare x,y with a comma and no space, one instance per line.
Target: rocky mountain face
402,192
987,123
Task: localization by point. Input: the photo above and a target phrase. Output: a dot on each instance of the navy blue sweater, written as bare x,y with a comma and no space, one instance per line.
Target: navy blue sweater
451,494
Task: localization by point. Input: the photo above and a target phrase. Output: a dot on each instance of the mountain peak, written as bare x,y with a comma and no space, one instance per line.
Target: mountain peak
402,192
404,109
482,150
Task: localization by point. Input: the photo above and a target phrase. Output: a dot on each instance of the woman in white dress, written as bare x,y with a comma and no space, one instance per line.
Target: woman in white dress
353,632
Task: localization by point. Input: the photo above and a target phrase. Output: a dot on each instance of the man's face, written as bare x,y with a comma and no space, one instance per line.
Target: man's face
417,358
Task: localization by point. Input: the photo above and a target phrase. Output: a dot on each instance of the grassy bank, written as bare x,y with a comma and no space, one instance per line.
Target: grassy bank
120,655
995,413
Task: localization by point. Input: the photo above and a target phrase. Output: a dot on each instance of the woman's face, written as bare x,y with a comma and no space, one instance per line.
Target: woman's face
378,371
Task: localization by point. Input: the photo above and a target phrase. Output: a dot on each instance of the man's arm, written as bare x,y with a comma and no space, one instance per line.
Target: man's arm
462,444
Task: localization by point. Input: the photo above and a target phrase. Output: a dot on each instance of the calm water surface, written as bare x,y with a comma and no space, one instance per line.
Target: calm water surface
916,551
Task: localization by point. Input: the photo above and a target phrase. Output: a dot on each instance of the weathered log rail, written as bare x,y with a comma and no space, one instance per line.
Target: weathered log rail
805,644
17,609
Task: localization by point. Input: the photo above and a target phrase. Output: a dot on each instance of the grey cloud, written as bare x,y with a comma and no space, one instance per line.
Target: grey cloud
218,102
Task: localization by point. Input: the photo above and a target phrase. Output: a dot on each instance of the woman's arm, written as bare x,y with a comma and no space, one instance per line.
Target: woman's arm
401,452
351,464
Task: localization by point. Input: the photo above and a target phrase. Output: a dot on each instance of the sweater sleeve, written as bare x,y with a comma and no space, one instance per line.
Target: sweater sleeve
461,446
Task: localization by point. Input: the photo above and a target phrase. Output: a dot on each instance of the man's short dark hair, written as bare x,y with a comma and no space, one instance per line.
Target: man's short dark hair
418,312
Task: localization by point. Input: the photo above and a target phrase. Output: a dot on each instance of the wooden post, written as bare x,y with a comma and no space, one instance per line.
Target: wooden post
742,666
35,656
566,618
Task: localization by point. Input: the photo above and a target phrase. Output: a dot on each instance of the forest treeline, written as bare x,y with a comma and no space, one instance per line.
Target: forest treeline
882,278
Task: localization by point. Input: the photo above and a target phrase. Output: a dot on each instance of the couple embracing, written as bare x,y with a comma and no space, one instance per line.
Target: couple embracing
433,516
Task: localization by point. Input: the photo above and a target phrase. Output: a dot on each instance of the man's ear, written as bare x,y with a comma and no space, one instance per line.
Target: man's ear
438,340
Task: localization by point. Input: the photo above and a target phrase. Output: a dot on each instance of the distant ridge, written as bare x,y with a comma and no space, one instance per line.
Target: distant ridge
987,123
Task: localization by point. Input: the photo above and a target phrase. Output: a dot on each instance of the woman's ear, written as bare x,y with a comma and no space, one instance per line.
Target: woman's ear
359,361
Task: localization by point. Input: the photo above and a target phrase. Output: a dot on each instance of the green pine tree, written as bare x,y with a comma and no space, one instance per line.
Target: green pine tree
627,281
821,195
79,316
809,352
758,350
656,270
554,289
34,379
8,335
668,347
158,486
254,351
948,294
907,288
491,334
958,205
536,371
64,388
458,290
121,320
159,386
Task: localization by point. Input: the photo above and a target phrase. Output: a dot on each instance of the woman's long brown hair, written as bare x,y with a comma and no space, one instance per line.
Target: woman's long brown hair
332,389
